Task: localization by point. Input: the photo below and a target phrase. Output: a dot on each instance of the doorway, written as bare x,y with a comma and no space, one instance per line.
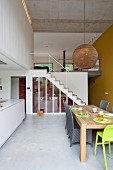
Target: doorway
18,88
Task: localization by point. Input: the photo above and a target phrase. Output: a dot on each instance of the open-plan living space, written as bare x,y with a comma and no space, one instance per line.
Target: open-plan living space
56,93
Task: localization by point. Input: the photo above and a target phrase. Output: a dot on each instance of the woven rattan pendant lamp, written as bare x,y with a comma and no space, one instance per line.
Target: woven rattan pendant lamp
85,56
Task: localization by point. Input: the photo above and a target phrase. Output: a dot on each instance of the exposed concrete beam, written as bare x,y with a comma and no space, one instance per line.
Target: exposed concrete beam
74,26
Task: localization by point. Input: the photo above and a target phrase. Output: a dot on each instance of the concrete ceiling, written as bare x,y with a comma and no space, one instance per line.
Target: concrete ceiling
68,15
59,25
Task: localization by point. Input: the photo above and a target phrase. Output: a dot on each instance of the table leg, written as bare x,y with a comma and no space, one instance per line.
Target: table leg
83,143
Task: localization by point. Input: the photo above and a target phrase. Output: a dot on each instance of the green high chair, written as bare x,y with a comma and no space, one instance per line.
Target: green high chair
107,137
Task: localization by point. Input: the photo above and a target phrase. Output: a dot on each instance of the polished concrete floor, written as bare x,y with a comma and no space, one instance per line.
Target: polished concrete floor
41,143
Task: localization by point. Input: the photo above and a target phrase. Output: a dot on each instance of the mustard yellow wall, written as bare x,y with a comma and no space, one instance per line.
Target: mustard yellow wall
104,83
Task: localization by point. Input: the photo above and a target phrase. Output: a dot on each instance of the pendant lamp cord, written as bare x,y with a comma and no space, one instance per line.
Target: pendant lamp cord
84,22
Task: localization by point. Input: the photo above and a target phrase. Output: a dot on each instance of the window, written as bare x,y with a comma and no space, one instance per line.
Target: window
69,67
37,65
68,64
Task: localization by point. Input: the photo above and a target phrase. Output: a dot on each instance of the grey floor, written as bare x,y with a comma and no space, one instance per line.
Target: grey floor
41,143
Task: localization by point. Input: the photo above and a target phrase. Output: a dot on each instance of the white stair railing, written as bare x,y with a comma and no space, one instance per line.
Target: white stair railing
50,58
47,55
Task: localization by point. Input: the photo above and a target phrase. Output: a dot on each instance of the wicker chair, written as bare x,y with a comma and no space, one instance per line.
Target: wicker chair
104,104
74,131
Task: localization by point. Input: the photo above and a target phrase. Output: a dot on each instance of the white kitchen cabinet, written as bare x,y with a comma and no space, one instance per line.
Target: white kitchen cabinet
11,116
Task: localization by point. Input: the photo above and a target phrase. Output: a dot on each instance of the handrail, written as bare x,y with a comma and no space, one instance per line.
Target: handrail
49,56
55,61
52,58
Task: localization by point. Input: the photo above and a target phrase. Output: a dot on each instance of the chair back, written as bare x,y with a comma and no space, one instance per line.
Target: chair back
104,104
108,133
112,110
71,121
66,109
65,106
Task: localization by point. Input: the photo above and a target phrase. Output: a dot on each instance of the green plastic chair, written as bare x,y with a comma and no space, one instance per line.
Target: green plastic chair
107,137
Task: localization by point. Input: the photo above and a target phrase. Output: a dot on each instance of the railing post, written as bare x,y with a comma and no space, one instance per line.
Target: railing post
46,95
66,78
64,60
38,93
49,63
60,101
53,102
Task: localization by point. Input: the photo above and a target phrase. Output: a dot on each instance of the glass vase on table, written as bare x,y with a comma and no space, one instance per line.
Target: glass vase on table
101,115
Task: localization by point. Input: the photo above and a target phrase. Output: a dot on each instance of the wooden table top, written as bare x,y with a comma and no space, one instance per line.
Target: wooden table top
88,121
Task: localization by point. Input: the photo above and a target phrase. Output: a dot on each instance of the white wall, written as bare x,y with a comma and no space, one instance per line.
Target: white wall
77,82
16,34
29,83
5,76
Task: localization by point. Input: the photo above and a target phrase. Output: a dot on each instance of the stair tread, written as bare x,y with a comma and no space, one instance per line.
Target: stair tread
70,91
62,84
78,98
72,96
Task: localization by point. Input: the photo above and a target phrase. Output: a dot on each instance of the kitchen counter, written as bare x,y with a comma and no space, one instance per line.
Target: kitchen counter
11,116
9,103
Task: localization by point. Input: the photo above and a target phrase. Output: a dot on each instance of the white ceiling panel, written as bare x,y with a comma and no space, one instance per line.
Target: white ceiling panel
55,43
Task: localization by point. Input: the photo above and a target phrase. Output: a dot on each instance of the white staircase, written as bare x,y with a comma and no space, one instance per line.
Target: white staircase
66,91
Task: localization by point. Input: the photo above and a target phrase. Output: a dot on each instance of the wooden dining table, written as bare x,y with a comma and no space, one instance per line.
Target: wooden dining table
87,123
